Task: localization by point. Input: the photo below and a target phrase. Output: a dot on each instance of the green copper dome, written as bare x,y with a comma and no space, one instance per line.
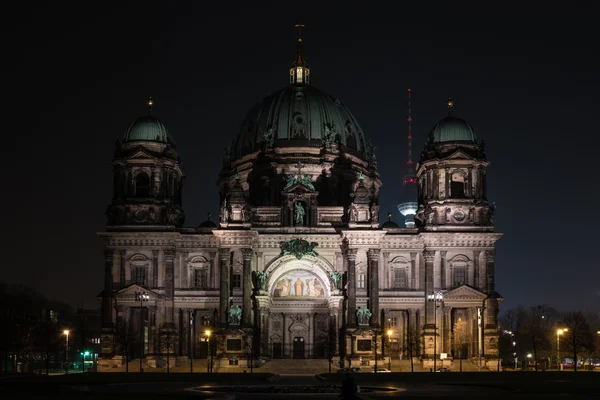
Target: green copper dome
148,129
452,129
299,115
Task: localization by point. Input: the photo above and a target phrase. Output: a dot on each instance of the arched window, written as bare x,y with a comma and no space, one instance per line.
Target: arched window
142,185
457,186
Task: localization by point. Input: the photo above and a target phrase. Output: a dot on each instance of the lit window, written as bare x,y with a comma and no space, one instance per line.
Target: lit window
200,278
237,281
299,74
361,281
140,275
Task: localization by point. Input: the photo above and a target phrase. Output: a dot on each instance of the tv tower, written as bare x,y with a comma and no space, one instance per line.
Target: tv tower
408,207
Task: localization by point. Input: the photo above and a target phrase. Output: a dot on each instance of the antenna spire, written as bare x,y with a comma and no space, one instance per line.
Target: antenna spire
409,122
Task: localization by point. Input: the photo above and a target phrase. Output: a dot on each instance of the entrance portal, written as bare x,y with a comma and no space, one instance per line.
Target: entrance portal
298,347
201,350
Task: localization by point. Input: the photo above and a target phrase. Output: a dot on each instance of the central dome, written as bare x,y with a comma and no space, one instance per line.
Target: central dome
299,115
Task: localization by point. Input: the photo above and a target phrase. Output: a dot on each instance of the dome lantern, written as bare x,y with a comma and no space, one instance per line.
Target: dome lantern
299,71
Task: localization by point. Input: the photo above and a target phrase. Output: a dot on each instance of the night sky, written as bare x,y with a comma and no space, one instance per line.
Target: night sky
527,80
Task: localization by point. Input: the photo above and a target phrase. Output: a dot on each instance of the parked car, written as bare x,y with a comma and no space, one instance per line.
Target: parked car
382,371
444,369
353,369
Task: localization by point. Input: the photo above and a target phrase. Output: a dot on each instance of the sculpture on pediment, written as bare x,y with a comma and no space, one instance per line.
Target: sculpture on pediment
234,315
299,213
363,315
298,248
336,278
375,212
302,179
263,276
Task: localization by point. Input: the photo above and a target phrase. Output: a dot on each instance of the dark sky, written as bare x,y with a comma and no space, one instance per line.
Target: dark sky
526,77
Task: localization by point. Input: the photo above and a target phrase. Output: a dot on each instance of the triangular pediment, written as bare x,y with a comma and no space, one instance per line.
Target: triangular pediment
139,154
298,187
465,292
459,155
131,290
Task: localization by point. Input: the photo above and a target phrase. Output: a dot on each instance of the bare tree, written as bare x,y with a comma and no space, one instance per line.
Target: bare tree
582,338
462,338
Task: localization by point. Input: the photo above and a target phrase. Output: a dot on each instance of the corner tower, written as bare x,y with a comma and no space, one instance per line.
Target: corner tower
148,179
451,175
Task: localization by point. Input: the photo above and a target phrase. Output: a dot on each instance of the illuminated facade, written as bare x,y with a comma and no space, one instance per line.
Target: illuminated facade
298,266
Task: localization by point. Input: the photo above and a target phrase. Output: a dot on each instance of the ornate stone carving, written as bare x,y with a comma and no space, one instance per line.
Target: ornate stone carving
224,253
298,248
351,254
363,314
169,254
299,213
299,179
429,255
373,254
247,254
263,277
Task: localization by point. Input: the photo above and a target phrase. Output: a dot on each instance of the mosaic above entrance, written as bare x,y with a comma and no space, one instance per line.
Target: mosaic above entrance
299,284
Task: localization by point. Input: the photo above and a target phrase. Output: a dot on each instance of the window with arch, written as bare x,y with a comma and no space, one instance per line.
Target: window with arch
457,186
142,185
398,273
459,271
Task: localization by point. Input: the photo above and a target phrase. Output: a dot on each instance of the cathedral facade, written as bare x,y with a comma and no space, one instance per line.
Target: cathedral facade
298,264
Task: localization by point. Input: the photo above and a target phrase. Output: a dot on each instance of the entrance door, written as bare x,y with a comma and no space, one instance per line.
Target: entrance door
201,350
277,350
298,347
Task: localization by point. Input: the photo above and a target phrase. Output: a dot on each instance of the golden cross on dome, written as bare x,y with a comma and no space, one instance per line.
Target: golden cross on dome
149,103
299,28
449,104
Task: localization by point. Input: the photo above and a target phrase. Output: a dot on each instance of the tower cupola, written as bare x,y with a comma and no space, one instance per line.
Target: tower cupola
299,71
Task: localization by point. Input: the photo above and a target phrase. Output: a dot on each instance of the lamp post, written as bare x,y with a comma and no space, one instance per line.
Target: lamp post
435,297
191,346
389,332
142,296
66,333
209,355
558,333
528,359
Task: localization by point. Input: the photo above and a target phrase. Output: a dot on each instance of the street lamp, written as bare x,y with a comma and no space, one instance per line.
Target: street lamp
389,333
435,297
209,357
142,296
558,333
66,333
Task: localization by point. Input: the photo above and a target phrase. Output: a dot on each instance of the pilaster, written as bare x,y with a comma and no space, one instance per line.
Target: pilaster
224,285
247,255
154,277
169,256
351,290
443,269
373,258
122,267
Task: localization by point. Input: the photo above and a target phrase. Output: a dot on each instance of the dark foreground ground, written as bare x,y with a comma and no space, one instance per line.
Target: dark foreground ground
328,386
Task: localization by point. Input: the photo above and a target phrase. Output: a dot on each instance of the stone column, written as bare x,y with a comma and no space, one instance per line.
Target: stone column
224,286
430,328
339,263
413,271
443,266
169,255
122,265
184,272
107,314
422,272
154,276
386,267
447,348
247,287
476,272
490,273
213,282
152,330
373,257
351,290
